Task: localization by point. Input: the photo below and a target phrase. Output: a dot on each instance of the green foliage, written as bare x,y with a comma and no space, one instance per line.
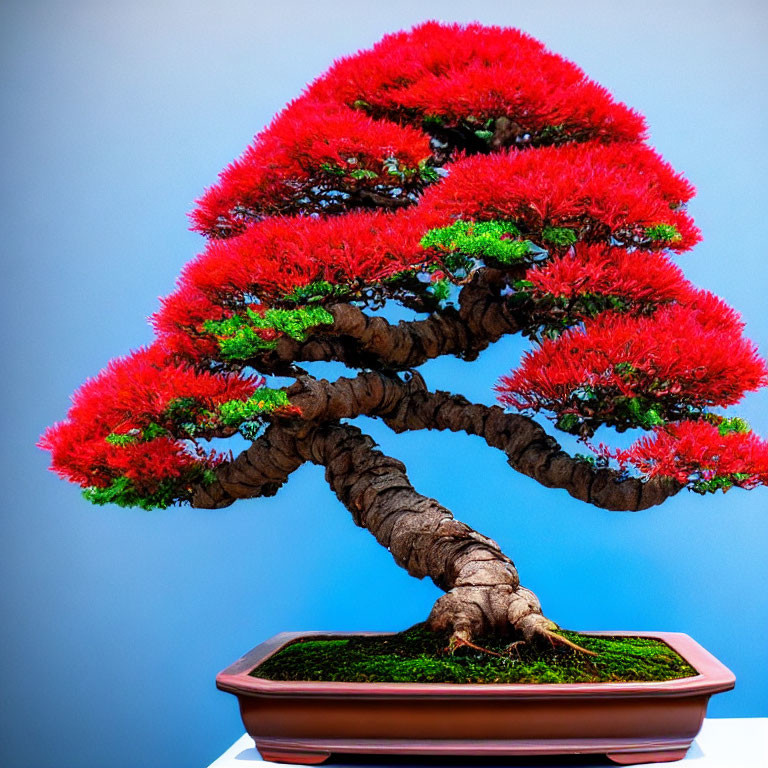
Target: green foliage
440,289
123,493
363,173
666,233
550,133
719,482
481,240
641,412
427,172
333,170
150,432
264,400
562,237
734,424
314,292
181,408
569,422
239,336
153,430
418,655
122,439
429,119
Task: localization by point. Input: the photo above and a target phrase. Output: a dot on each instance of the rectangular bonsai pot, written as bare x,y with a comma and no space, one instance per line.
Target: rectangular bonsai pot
305,722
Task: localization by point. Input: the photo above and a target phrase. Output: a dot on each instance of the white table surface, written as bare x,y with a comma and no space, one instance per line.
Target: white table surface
722,743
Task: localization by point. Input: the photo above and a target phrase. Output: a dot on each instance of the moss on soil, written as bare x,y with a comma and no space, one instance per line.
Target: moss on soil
418,655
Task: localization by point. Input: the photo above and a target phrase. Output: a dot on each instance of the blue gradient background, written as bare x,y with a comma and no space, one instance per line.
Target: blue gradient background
115,117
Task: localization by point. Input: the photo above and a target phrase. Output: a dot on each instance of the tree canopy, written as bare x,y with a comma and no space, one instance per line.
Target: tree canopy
486,184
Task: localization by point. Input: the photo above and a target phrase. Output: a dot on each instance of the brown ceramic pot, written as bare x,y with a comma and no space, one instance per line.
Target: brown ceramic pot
306,722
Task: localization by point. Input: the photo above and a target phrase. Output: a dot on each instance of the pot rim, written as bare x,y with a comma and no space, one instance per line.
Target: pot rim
713,676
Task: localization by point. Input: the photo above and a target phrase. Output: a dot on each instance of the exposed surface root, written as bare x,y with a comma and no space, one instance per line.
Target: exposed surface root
556,639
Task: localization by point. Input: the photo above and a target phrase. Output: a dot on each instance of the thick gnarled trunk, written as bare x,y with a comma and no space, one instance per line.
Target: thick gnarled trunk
483,591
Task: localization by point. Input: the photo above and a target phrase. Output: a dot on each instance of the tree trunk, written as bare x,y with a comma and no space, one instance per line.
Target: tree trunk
483,592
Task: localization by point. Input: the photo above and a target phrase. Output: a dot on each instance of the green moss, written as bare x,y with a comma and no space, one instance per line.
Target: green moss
418,655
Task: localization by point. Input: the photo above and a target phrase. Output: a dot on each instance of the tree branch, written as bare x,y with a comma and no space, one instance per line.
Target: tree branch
361,341
530,450
258,471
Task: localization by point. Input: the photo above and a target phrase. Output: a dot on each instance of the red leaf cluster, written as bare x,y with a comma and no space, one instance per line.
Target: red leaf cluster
358,138
276,255
600,191
690,354
641,278
312,157
696,450
477,73
129,395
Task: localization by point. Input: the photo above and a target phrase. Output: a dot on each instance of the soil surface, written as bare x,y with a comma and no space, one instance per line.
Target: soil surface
418,655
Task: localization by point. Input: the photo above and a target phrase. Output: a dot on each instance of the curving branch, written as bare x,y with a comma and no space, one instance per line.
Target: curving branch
408,405
361,341
531,451
258,471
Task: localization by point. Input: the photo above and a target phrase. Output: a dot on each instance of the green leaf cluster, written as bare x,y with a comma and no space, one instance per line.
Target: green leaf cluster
441,289
734,424
333,169
264,400
641,412
239,336
550,133
123,493
128,438
150,432
481,239
562,237
719,482
666,233
314,292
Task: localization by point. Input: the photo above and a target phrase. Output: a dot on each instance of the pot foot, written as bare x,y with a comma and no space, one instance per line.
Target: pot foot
633,758
292,756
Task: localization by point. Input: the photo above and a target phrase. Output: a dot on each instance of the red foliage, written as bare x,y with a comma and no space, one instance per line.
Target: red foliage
128,396
637,277
689,354
355,139
274,256
598,190
695,450
308,151
474,72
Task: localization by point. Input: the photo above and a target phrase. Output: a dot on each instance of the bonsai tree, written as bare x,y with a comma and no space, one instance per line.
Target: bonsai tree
490,188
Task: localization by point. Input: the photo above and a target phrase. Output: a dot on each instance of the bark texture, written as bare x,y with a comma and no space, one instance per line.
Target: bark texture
529,449
481,584
361,341
483,592
258,471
